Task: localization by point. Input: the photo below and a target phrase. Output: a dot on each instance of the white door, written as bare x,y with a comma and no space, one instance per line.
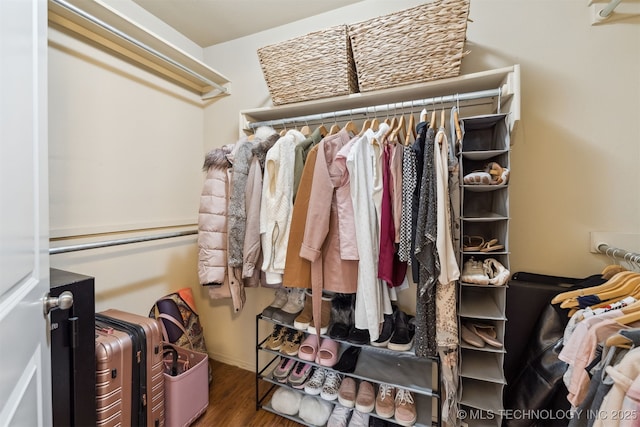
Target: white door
25,363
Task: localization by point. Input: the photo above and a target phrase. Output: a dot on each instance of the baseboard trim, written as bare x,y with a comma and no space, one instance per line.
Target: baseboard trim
244,364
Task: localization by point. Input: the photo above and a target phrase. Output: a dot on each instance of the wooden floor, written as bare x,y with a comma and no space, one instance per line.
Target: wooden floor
232,401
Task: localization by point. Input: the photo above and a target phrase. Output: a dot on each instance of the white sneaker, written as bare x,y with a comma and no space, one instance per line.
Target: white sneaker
474,272
331,386
339,417
315,383
359,419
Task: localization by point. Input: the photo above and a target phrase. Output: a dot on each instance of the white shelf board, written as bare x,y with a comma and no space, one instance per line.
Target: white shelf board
507,78
106,26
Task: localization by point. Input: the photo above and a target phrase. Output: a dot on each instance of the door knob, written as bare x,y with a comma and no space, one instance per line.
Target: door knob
62,302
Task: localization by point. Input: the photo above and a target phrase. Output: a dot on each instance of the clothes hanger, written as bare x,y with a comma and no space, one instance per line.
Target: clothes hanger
631,308
365,125
411,130
442,119
610,270
367,122
456,119
392,125
400,130
627,319
305,130
635,294
626,288
629,286
375,123
387,120
618,340
424,115
614,281
323,130
618,287
335,127
351,128
432,125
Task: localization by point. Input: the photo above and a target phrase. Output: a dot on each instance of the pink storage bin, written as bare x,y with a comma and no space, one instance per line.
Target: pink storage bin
186,395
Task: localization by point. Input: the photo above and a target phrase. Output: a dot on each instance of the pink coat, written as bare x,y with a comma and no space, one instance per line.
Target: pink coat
213,270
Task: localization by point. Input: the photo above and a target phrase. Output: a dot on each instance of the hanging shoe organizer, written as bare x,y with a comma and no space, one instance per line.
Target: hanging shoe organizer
484,225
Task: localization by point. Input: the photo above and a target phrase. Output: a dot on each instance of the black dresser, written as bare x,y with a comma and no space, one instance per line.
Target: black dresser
73,351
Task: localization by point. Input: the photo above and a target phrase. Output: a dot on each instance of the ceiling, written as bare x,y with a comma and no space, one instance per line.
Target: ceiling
209,22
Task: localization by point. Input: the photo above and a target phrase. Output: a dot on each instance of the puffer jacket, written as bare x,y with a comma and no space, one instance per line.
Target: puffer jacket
213,268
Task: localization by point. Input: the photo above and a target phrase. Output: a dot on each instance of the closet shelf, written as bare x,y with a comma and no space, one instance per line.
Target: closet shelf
484,217
476,303
482,155
484,188
486,348
506,79
481,395
110,29
484,366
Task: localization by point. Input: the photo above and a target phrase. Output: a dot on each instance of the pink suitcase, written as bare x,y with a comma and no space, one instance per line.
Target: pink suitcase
114,356
148,399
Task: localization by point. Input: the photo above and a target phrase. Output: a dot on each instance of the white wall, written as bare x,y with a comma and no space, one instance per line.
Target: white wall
576,155
125,154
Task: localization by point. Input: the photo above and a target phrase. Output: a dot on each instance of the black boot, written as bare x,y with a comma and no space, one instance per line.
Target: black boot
341,316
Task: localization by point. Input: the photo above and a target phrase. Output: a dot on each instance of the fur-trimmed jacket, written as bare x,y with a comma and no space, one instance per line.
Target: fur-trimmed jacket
242,191
213,268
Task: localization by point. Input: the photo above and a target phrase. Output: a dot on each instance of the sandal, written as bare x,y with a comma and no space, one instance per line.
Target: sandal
491,246
309,348
328,352
477,178
470,337
486,332
497,273
473,243
498,174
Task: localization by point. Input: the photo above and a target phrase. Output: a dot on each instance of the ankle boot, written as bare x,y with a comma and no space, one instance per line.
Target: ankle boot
303,320
341,316
294,305
280,299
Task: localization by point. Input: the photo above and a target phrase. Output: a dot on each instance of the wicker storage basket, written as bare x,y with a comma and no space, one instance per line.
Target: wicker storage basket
414,45
317,65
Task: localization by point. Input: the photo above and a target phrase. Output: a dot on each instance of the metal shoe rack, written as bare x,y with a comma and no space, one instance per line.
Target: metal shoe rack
402,369
484,212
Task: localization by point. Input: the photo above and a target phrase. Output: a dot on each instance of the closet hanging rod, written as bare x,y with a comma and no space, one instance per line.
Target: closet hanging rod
609,8
436,100
617,253
116,242
79,12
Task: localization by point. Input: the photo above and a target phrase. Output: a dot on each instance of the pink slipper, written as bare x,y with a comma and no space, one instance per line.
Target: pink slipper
308,348
328,352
